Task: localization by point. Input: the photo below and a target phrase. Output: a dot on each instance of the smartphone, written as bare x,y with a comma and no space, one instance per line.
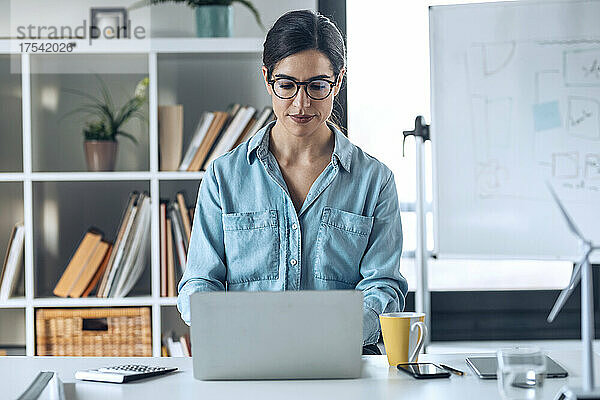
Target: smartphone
424,370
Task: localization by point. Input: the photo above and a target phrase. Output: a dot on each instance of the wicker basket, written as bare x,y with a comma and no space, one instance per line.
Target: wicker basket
101,332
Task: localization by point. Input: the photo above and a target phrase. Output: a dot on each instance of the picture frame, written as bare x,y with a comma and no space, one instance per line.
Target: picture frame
109,21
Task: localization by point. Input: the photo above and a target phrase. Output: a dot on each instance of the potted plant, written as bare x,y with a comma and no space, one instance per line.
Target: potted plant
100,134
214,18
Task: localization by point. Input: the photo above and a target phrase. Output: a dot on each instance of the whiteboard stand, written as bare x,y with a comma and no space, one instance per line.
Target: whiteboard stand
422,298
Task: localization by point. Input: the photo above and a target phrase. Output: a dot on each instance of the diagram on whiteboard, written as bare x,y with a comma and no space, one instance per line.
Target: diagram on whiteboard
534,111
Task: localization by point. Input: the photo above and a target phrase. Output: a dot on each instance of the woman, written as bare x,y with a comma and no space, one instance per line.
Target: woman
298,206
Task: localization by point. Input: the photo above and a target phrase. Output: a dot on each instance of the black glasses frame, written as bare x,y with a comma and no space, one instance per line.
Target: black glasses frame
305,84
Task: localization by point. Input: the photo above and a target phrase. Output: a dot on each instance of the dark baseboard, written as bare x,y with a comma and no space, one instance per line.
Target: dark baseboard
503,315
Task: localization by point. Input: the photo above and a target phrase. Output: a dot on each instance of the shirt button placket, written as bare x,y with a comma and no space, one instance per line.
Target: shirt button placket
294,260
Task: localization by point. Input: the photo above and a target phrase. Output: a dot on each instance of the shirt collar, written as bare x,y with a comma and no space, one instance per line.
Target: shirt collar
342,151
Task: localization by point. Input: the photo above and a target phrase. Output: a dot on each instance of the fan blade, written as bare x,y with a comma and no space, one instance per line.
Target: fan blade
572,227
566,292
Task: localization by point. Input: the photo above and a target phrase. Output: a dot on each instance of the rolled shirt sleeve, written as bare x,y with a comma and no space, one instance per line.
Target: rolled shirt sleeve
205,270
383,286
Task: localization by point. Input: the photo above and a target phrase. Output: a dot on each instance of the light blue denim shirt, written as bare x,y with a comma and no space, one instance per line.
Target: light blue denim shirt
247,234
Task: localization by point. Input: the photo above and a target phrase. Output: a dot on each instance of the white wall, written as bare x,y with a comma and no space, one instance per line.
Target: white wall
388,86
171,20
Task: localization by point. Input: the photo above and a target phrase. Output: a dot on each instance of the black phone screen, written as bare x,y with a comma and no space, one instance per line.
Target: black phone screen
424,370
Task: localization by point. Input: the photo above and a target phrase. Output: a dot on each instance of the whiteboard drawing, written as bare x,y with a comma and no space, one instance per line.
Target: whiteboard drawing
491,119
485,60
565,165
592,166
496,56
584,117
491,178
582,67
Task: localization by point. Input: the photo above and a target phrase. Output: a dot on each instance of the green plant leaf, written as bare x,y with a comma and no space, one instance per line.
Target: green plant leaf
105,93
83,94
128,136
254,11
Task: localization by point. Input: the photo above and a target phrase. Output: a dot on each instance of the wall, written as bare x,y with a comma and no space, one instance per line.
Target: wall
166,20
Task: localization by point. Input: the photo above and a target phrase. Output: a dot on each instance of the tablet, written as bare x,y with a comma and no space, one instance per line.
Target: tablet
485,367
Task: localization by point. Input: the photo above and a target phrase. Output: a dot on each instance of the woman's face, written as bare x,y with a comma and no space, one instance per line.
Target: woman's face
302,67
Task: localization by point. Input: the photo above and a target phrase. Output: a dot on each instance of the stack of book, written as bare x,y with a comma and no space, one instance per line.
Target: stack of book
13,260
175,232
221,131
113,268
171,347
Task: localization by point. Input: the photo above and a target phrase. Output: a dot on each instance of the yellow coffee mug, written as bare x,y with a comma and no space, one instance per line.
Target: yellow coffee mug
400,337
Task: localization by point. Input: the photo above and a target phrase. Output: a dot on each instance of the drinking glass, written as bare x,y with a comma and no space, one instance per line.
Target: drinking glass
521,372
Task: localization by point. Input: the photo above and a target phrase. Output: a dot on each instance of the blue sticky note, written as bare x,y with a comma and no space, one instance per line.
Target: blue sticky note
546,116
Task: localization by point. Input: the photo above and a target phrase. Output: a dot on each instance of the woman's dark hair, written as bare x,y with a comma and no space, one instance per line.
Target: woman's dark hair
300,30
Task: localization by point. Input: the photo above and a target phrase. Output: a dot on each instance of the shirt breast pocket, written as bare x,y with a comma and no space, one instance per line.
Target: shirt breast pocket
251,246
341,242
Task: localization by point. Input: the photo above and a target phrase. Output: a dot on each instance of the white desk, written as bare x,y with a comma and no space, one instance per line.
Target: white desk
379,381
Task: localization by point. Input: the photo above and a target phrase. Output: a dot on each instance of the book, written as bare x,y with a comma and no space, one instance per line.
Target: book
185,346
248,127
78,261
118,242
135,257
207,143
179,244
99,273
90,269
265,116
174,348
185,217
201,130
170,136
140,256
120,253
231,134
163,249
179,224
12,261
171,289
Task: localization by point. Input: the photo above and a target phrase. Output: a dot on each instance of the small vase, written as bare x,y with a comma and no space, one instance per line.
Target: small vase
214,21
100,155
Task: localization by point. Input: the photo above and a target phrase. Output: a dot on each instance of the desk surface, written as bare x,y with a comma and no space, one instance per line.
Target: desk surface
379,381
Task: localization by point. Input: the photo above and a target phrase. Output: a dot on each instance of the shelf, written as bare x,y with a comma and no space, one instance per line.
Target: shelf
65,211
167,301
165,176
93,302
100,176
17,302
90,176
133,46
11,177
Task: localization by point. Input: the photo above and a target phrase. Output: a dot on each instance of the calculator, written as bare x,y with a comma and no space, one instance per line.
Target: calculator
122,373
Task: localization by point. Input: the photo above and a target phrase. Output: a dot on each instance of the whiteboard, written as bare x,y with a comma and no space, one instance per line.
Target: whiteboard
515,102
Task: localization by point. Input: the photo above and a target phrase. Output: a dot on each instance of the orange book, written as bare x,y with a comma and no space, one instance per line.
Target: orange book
90,269
86,248
170,262
98,273
207,143
244,133
185,217
163,250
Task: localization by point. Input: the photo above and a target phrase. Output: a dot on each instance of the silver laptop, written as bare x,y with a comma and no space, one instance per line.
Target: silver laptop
277,335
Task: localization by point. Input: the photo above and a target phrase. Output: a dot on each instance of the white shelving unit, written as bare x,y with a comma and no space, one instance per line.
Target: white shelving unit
179,71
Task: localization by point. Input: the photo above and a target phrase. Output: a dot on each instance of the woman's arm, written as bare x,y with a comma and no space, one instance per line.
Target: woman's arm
383,286
205,270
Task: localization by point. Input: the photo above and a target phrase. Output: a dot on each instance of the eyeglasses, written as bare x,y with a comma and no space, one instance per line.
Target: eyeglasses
316,89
